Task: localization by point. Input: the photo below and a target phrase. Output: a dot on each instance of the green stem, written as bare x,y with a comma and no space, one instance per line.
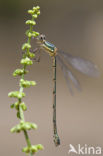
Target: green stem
29,39
26,60
22,118
27,138
21,113
56,137
20,100
25,132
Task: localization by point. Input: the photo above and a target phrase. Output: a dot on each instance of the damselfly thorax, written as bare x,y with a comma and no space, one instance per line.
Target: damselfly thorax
46,46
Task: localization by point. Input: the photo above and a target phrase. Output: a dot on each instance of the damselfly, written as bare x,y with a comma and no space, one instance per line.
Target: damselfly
58,56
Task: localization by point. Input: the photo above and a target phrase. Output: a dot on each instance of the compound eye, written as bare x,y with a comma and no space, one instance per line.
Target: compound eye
41,38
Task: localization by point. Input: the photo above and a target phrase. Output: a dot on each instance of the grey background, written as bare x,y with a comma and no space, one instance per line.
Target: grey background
77,28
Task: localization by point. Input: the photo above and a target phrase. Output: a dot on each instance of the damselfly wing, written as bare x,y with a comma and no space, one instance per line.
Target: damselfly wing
82,65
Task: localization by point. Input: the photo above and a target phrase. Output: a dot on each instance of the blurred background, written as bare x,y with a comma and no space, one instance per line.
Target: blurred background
75,27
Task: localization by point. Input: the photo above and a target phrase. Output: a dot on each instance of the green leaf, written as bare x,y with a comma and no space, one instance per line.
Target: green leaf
26,46
40,147
38,13
12,105
31,12
25,83
35,34
17,105
26,61
19,72
31,55
30,22
33,126
26,150
36,8
23,126
18,114
16,94
23,106
29,126
32,148
35,15
16,129
32,33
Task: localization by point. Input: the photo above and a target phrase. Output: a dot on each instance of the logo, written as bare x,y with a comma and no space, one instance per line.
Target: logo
83,150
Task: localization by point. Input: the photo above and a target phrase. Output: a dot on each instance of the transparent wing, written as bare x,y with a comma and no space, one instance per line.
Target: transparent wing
74,80
82,65
68,74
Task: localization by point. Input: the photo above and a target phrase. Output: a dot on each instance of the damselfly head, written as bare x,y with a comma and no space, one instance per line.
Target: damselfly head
41,38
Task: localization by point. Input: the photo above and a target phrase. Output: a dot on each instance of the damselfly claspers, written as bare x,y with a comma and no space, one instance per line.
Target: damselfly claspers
58,56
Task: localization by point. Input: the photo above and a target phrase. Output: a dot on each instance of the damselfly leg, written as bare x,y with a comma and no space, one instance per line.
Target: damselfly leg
37,52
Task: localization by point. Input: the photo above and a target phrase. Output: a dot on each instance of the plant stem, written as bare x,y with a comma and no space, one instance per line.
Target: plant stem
21,113
27,138
22,118
20,105
20,100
